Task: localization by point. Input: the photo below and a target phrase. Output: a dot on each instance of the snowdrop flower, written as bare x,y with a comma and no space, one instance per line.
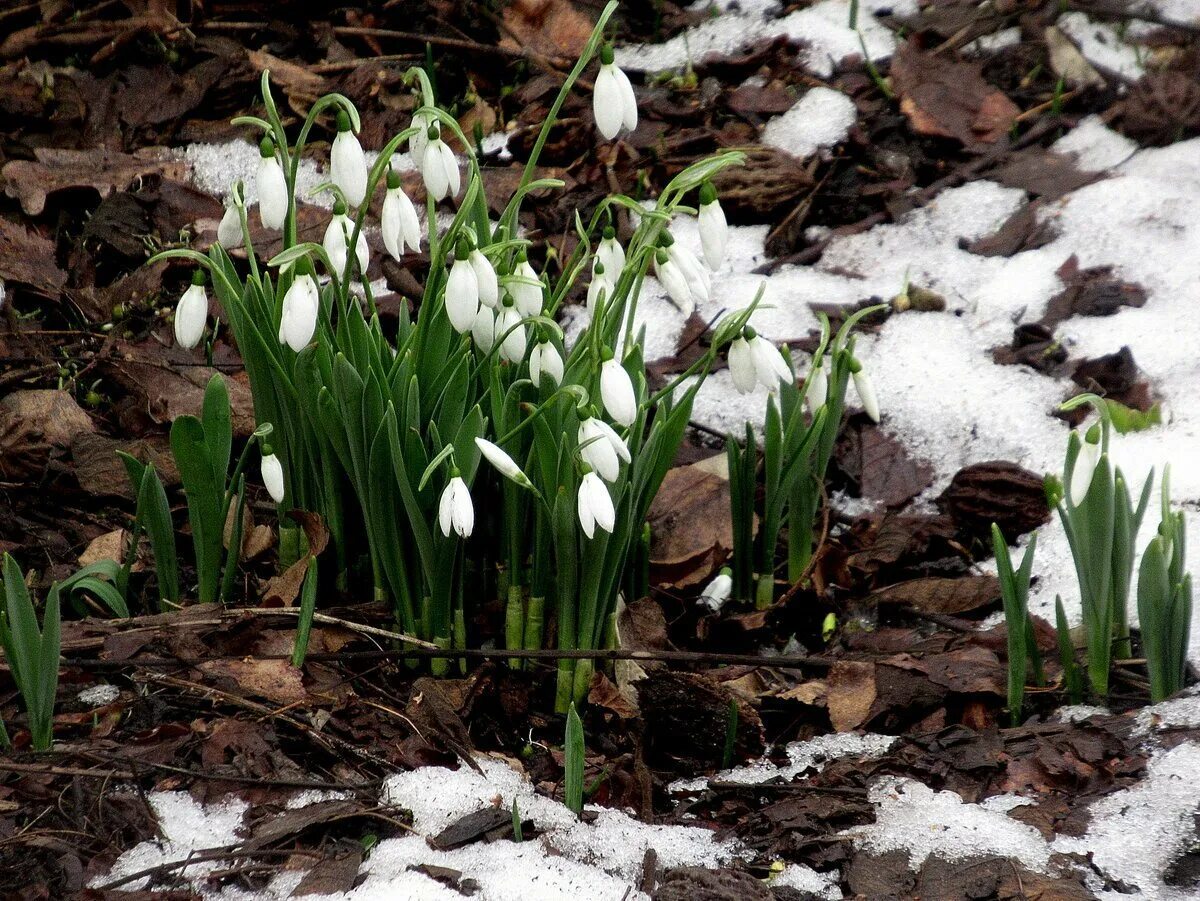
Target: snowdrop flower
672,279
455,511
347,164
865,390
741,366
298,319
419,141
272,187
613,101
439,168
610,254
462,292
616,390
602,448
272,475
818,387
229,230
714,232
545,360
3,292
753,359
485,276
337,240
504,464
483,329
398,220
594,505
525,287
599,285
191,313
1085,465
512,348
689,264
717,592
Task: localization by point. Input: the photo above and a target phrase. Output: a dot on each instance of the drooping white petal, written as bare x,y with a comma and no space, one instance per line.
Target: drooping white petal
629,110
714,234
272,193
298,319
611,255
399,223
618,443
485,275
697,277
768,363
1084,471
419,141
499,458
437,180
455,511
608,102
462,296
672,279
525,289
717,592
616,390
741,366
483,329
545,361
597,287
336,241
595,505
866,394
190,316
348,167
596,450
513,346
229,230
272,477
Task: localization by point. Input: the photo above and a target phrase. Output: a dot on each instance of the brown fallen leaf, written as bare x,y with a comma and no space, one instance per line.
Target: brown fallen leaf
549,27
945,596
851,694
36,425
946,98
109,546
691,534
996,492
275,680
57,169
27,258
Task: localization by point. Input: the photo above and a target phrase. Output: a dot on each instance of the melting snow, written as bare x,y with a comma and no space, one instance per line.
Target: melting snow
822,118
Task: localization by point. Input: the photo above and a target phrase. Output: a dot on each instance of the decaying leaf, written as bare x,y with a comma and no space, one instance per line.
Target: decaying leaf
851,693
57,169
691,534
27,258
945,596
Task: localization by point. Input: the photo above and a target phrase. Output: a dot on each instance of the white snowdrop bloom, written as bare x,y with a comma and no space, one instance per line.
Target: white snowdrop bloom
693,270
462,294
439,168
818,387
348,163
545,360
483,329
602,448
525,287
865,390
595,505
485,276
741,366
598,287
419,141
610,254
616,390
3,293
455,510
272,187
512,344
298,318
613,101
769,365
191,313
671,277
229,230
337,240
717,592
1085,467
714,231
272,476
500,459
398,220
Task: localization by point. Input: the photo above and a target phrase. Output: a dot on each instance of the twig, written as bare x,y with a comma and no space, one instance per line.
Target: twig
229,852
332,621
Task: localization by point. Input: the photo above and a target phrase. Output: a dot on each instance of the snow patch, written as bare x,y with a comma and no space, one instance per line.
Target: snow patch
1102,45
806,879
822,118
99,695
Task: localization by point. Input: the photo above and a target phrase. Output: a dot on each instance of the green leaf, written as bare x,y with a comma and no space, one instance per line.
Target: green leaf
573,763
308,606
1127,419
217,419
205,501
154,511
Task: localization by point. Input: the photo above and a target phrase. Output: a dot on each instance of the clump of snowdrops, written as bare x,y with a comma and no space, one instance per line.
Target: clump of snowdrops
391,429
